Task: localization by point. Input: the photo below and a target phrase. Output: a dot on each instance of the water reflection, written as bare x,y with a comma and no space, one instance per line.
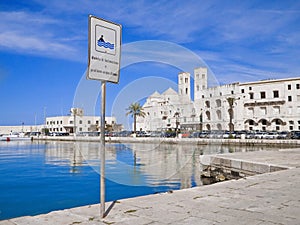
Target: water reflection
139,164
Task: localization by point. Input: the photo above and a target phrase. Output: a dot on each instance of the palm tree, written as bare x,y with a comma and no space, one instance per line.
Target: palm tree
230,111
135,109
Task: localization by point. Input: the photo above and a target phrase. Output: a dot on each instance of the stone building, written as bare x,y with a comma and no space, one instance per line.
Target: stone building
260,105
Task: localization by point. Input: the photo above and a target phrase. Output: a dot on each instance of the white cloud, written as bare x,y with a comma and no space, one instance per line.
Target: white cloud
254,36
31,33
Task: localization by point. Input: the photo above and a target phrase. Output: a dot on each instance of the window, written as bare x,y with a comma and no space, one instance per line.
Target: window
71,121
207,103
291,127
186,90
232,92
251,95
57,122
263,110
250,88
262,94
289,98
276,94
186,80
61,122
80,129
250,113
197,76
243,91
203,76
220,93
219,114
297,86
202,96
276,110
80,121
181,80
89,122
289,86
197,88
218,103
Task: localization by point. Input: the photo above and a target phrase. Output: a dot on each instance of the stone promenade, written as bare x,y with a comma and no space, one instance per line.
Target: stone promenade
269,198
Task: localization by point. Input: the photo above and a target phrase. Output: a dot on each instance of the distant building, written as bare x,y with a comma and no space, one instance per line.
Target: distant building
20,129
78,122
261,105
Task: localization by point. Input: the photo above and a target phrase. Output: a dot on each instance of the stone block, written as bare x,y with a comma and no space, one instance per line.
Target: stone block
225,162
255,167
235,164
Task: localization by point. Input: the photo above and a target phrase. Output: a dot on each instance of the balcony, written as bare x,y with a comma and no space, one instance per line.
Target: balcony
264,103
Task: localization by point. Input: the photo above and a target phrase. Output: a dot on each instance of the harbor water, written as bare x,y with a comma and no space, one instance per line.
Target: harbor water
39,177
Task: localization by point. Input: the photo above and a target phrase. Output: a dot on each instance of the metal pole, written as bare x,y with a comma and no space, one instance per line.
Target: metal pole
102,150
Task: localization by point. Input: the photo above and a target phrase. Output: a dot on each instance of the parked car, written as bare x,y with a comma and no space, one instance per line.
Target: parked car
250,135
295,135
260,135
142,134
283,135
240,134
195,134
204,134
271,135
228,134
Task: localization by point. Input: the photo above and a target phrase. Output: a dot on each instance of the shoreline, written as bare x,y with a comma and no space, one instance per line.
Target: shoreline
190,141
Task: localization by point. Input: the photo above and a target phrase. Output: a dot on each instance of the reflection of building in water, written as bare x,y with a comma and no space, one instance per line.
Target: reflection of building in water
77,153
169,163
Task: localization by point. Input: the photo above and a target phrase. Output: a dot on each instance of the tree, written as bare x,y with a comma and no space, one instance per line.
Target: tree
230,111
135,109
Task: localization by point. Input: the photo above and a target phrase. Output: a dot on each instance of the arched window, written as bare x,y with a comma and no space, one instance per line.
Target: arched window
207,103
218,103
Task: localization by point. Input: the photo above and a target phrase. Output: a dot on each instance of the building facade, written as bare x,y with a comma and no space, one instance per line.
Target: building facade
78,122
262,105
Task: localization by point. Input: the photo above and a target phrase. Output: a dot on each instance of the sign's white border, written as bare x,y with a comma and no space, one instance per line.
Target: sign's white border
104,50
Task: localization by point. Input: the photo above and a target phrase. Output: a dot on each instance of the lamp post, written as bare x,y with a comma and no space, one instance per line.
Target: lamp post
176,115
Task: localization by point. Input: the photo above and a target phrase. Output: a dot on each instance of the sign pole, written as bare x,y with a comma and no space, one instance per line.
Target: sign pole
104,53
102,150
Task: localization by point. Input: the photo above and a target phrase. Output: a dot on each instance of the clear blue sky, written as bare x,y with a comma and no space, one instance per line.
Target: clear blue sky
43,46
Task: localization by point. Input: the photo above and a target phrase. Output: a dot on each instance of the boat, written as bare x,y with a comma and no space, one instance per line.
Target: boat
15,136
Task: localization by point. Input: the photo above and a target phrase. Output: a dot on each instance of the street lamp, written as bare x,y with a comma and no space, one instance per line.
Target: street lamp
176,115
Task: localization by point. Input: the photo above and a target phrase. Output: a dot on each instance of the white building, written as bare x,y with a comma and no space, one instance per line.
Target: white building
261,105
78,122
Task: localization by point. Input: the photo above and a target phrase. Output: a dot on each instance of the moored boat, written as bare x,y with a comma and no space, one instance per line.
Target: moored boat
15,137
